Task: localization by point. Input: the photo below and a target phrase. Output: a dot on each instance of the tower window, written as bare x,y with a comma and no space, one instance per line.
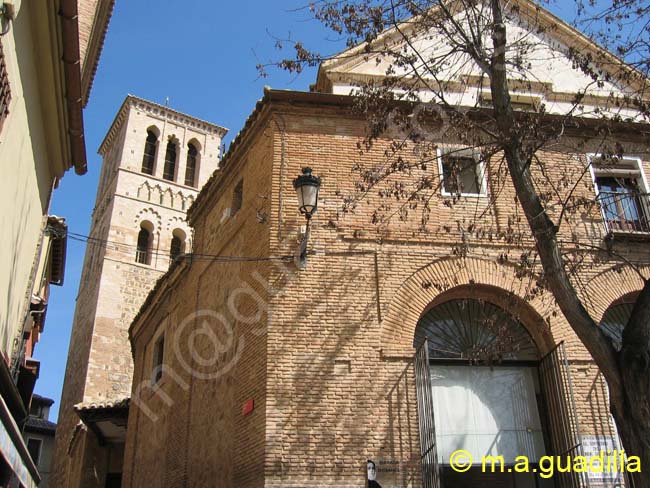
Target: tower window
190,170
237,198
169,171
149,157
177,245
143,253
175,249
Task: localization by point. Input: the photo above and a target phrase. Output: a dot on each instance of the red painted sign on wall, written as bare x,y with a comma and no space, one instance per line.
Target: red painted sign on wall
248,407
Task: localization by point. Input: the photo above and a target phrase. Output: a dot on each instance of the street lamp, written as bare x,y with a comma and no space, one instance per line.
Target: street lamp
307,187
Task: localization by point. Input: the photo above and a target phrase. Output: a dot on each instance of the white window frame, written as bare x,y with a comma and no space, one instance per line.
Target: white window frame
591,157
480,165
639,164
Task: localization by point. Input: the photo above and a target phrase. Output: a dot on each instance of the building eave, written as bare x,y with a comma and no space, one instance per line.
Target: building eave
57,50
110,414
575,126
58,231
90,62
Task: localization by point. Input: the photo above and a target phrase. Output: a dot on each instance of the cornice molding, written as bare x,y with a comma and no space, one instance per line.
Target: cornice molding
160,111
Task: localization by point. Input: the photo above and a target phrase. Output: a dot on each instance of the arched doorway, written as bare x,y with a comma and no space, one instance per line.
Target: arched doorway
488,391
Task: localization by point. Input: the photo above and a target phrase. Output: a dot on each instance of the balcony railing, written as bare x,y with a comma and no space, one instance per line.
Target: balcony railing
626,211
142,257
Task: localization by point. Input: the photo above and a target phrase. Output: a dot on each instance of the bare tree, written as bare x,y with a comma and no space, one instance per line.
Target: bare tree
621,26
470,40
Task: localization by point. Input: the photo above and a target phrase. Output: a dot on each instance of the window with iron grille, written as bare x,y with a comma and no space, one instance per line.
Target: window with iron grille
143,252
5,92
622,196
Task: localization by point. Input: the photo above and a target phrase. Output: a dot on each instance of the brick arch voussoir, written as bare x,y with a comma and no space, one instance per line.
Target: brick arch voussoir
148,213
430,282
608,287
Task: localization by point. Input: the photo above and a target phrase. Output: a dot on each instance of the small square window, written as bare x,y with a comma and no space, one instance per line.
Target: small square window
461,175
158,359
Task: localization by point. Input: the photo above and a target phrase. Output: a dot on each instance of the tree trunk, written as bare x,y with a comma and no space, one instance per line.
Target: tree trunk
632,413
633,424
627,373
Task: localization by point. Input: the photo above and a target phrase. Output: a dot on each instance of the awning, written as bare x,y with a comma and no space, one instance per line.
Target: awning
106,419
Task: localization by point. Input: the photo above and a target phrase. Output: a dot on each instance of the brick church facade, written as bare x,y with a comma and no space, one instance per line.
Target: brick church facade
155,160
253,372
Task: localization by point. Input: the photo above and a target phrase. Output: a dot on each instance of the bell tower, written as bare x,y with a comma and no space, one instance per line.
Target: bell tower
155,160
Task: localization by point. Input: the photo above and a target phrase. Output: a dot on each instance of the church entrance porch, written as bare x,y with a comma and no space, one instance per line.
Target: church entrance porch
485,392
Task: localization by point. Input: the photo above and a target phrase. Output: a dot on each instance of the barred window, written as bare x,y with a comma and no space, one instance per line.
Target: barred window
621,194
143,252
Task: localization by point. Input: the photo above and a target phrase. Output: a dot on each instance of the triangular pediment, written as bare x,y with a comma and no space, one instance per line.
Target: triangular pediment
549,74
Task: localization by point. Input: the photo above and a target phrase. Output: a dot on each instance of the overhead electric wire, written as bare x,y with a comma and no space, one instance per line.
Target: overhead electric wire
165,253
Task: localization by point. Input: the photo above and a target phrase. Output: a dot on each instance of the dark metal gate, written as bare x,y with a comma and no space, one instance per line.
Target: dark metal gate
564,427
426,421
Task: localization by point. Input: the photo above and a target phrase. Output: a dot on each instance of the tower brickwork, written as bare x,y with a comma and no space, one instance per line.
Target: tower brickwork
155,160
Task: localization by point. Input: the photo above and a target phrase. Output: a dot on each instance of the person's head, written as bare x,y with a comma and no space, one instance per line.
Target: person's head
372,470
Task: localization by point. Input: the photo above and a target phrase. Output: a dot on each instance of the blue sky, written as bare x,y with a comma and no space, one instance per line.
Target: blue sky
202,55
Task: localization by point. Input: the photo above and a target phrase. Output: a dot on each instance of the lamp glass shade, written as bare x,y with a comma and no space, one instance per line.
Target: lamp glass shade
307,187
